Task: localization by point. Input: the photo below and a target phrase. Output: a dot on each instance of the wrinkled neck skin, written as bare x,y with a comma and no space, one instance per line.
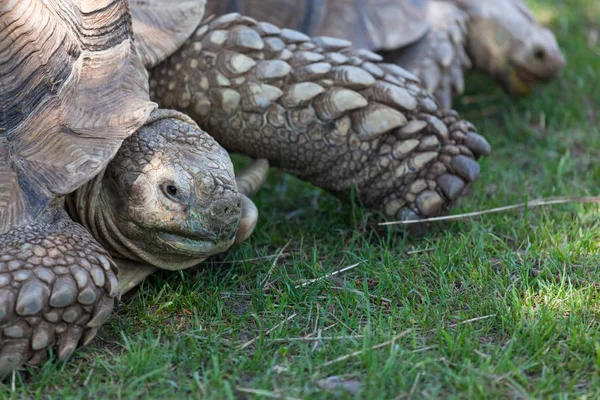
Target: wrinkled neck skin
506,41
92,207
82,207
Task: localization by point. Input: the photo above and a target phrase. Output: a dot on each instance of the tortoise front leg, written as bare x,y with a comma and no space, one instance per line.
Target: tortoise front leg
249,181
330,115
57,286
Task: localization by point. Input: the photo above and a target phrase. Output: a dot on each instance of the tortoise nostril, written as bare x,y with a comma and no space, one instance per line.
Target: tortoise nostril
539,54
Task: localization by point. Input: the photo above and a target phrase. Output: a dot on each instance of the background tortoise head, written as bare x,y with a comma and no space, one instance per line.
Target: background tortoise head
170,197
506,40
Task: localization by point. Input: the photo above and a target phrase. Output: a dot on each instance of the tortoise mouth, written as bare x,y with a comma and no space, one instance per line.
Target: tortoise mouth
519,80
522,80
193,246
527,77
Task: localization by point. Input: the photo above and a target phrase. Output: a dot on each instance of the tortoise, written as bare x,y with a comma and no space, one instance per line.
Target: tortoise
143,182
429,38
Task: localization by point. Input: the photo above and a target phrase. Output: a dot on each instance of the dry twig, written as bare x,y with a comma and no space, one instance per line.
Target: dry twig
530,204
264,393
310,281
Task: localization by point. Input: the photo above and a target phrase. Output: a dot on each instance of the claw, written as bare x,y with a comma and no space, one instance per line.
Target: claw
429,203
89,335
444,96
466,167
102,312
38,357
111,284
248,221
431,77
445,54
458,80
14,354
477,144
451,185
68,342
406,214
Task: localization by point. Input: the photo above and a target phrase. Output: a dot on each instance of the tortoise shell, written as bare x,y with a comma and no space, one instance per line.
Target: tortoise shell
161,26
370,24
72,88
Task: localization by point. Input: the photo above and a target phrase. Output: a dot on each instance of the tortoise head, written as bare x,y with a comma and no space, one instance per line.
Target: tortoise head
170,194
506,40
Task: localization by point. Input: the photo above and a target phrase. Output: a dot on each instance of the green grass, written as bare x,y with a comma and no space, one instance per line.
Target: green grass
501,306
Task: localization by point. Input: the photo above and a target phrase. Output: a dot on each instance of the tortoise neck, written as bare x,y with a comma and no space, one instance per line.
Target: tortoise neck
85,206
89,206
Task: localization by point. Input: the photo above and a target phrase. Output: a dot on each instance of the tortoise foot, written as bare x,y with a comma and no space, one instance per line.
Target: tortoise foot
57,286
436,170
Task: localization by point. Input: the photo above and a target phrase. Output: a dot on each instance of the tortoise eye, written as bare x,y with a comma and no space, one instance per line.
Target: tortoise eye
170,191
539,54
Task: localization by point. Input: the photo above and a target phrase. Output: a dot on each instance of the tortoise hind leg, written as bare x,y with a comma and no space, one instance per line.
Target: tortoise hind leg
57,286
439,59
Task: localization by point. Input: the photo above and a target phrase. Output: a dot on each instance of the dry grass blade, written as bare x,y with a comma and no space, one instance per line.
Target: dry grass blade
414,386
327,275
87,379
279,253
250,259
377,346
530,204
411,252
468,321
312,339
372,296
242,347
422,349
264,393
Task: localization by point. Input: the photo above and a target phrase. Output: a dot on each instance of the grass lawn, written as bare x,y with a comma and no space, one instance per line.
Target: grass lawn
500,306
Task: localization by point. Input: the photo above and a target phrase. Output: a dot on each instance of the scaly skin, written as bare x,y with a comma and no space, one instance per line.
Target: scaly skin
329,115
57,286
